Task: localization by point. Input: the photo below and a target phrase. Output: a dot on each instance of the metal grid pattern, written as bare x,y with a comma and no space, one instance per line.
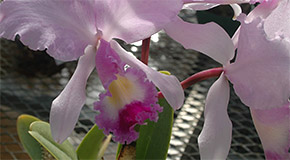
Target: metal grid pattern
28,87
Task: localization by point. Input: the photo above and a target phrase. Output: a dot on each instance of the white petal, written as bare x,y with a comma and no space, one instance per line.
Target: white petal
261,72
273,127
133,20
216,135
66,108
64,27
278,22
209,39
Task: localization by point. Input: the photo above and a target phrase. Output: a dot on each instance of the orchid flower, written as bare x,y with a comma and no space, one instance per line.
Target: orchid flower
72,29
260,75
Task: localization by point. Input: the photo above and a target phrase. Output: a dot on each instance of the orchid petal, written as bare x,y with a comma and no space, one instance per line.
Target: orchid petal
278,22
66,108
273,127
237,10
235,37
107,62
169,85
260,74
263,10
119,18
65,28
215,138
209,39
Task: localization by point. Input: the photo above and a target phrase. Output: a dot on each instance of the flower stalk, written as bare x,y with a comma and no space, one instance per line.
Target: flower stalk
203,75
145,50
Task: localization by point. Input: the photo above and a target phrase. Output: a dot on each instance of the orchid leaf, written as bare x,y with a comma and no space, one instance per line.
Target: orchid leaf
154,138
32,147
118,150
91,144
41,132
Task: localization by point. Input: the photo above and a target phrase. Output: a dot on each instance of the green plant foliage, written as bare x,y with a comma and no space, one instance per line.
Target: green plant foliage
41,132
154,138
118,150
93,146
32,147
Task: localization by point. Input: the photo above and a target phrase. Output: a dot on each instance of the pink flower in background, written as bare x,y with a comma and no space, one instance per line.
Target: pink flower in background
71,29
260,76
130,97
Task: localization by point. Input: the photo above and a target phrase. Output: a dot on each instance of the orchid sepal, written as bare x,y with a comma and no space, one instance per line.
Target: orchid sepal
66,108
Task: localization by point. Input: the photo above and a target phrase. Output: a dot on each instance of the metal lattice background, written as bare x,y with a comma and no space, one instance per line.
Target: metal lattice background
31,80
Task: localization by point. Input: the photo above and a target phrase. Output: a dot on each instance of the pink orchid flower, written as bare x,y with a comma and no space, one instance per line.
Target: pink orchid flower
72,29
260,75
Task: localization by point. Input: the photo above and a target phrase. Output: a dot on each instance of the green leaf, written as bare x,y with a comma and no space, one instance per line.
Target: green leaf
154,138
91,144
41,132
29,143
119,150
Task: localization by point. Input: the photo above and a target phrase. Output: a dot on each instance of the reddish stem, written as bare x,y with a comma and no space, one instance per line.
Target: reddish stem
203,75
145,50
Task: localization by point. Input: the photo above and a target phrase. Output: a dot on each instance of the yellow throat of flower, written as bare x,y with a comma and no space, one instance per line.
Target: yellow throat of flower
122,90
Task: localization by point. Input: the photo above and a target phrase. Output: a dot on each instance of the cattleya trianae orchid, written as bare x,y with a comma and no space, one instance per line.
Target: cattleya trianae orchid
85,30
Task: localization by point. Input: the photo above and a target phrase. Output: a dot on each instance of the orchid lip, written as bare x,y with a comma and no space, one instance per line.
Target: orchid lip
122,91
130,98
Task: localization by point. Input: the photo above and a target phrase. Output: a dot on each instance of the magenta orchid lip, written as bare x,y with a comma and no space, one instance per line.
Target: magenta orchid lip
130,98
